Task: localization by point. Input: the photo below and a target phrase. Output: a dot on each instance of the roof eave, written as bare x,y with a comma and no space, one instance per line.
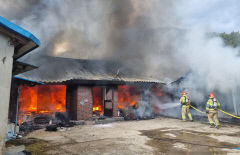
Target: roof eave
20,67
25,50
24,79
113,81
27,40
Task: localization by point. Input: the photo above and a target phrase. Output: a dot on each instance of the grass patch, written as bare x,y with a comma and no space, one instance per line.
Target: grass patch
35,146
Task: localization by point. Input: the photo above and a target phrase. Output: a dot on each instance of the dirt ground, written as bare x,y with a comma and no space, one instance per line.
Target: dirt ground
156,136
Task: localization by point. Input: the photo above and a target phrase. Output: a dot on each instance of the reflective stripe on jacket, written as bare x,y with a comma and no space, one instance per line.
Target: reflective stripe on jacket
212,104
185,100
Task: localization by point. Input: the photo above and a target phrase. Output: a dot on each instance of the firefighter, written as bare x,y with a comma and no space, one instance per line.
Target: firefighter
212,110
185,102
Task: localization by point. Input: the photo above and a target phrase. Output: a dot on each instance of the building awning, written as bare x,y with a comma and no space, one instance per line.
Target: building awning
23,40
20,67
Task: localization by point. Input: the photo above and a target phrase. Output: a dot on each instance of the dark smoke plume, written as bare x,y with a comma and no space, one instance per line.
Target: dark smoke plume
141,34
147,35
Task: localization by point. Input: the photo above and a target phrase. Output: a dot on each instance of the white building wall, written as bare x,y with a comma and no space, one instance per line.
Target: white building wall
6,63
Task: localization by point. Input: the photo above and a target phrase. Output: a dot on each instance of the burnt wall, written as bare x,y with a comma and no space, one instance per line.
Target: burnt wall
71,102
80,101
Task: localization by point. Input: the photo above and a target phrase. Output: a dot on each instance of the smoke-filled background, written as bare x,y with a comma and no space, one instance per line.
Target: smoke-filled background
141,34
165,39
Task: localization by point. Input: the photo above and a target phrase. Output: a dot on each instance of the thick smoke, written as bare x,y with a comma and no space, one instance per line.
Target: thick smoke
214,68
213,65
141,34
146,35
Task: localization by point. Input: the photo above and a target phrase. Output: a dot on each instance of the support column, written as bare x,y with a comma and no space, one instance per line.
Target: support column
6,63
115,102
84,103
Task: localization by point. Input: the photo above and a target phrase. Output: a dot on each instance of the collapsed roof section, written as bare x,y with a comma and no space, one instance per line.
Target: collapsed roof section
57,70
22,40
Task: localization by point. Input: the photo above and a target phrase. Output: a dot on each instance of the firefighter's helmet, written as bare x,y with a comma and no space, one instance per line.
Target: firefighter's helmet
184,93
211,95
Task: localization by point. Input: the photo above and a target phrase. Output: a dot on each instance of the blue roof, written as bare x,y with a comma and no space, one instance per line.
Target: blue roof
20,31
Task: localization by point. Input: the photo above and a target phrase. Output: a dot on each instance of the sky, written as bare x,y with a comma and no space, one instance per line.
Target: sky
215,15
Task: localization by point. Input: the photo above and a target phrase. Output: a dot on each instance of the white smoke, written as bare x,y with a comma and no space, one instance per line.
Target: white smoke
145,107
169,105
214,67
215,64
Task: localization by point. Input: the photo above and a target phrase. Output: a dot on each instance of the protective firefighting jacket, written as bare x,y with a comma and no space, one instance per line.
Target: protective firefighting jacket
184,100
212,104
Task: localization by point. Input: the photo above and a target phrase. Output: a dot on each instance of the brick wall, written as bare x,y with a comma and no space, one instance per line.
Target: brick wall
84,103
80,102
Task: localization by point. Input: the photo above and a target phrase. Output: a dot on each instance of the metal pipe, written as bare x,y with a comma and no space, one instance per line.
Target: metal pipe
104,98
16,119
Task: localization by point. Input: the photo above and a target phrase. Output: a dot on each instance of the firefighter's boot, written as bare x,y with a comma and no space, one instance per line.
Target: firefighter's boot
212,125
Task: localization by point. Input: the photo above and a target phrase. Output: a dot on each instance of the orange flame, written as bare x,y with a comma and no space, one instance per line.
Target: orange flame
44,99
127,96
97,100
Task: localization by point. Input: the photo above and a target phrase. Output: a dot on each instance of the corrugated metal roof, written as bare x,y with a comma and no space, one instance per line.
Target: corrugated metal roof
64,69
95,78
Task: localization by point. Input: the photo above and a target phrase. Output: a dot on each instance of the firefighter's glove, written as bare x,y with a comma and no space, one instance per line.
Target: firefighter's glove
207,112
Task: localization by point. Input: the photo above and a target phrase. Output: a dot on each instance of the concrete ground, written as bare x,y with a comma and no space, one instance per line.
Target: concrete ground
156,136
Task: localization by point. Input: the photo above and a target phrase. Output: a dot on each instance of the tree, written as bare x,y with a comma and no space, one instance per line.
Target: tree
231,39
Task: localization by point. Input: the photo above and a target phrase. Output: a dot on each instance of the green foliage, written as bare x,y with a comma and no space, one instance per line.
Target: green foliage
231,39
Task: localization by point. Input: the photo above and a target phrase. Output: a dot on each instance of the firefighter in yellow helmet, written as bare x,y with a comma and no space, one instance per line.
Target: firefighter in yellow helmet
212,110
185,102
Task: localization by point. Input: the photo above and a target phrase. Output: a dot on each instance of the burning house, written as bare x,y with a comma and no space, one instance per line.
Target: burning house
84,90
